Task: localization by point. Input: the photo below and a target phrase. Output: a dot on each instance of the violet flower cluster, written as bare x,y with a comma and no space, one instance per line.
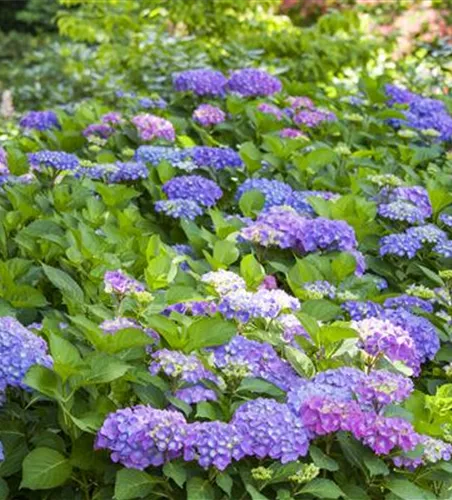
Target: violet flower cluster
208,115
57,160
39,120
179,208
423,113
119,283
195,188
20,350
252,82
201,82
152,127
409,204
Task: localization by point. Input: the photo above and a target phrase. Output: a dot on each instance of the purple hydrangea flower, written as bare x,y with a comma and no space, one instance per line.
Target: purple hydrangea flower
112,118
201,82
147,103
156,154
446,219
276,192
120,283
40,120
179,209
195,188
154,127
381,388
112,326
215,444
359,310
342,378
101,130
408,302
401,245
20,349
4,170
208,115
2,452
142,436
195,394
427,234
291,328
444,248
125,171
434,451
273,430
248,358
58,160
313,118
270,109
297,102
269,283
381,336
291,133
400,210
253,82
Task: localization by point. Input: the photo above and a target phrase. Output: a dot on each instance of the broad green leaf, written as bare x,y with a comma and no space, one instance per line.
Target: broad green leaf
44,469
321,460
321,310
251,156
252,272
132,483
254,493
335,333
323,488
207,332
300,361
406,490
225,482
4,489
225,252
251,203
67,285
104,369
259,386
199,489
176,472
43,380
66,357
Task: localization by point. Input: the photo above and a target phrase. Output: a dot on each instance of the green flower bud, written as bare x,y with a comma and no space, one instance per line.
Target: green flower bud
261,474
143,298
407,133
305,474
446,274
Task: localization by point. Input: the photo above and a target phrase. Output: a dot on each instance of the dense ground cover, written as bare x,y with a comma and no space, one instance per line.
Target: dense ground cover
227,283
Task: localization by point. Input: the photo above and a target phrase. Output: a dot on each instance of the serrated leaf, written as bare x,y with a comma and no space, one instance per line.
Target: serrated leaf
67,285
132,483
323,488
406,490
199,489
176,472
321,460
207,332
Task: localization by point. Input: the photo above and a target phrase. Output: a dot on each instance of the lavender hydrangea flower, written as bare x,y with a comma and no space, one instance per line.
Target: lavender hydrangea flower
381,336
2,452
359,310
408,302
427,234
342,378
297,102
270,109
400,210
179,209
444,248
195,394
101,130
223,281
112,326
313,118
126,171
201,82
253,83
4,170
148,103
184,367
142,436
273,430
120,283
20,350
57,160
319,289
382,388
215,444
241,357
156,154
276,192
434,450
446,219
40,120
292,133
112,118
154,127
208,115
291,328
195,188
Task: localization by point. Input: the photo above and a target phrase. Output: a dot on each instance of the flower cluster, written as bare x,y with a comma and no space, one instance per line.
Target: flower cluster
40,120
434,450
101,130
20,349
179,208
312,118
193,187
381,388
142,436
242,357
291,133
112,326
252,82
201,82
423,113
121,284
154,127
224,282
57,160
273,430
409,204
270,109
208,115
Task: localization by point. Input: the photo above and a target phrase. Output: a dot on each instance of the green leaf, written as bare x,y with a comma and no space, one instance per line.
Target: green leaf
251,203
207,332
252,272
344,265
321,460
204,409
251,156
354,492
132,483
300,361
254,493
176,472
225,482
321,310
316,159
323,488
336,333
4,489
67,286
407,490
66,357
199,489
43,380
225,252
104,369
44,468
259,386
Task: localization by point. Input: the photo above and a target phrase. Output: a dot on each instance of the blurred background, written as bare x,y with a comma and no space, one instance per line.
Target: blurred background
56,51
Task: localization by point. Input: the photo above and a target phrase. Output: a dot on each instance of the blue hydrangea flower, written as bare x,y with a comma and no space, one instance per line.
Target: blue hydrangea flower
20,350
358,310
201,82
444,248
58,160
401,245
216,158
195,188
179,209
408,302
253,82
127,171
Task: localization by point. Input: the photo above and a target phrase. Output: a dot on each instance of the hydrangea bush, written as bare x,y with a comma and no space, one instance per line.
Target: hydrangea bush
238,292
